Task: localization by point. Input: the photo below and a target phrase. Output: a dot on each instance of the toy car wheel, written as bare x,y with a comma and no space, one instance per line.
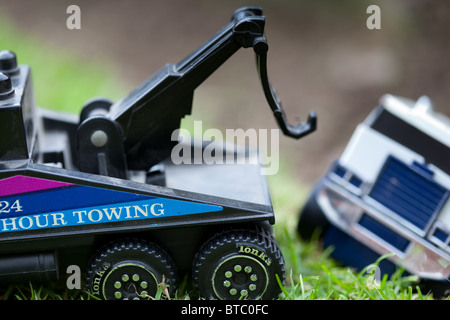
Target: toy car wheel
239,264
312,220
130,270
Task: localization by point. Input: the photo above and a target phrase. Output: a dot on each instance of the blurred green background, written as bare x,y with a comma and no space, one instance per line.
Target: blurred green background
322,57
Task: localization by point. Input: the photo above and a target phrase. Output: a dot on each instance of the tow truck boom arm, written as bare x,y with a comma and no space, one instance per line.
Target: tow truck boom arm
145,119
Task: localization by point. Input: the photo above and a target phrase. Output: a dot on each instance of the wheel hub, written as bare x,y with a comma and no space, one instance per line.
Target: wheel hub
240,276
130,282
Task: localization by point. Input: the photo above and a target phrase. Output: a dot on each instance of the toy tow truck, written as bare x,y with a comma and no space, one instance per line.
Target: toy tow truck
388,193
99,191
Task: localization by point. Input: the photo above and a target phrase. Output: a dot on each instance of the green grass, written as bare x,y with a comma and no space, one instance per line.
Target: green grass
311,275
64,82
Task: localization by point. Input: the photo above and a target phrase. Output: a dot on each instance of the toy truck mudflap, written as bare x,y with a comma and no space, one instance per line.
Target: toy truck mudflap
389,193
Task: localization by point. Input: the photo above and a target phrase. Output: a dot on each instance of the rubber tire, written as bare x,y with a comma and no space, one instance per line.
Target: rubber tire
216,269
111,273
312,220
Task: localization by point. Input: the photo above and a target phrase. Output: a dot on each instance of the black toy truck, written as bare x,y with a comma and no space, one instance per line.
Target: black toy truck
99,191
388,193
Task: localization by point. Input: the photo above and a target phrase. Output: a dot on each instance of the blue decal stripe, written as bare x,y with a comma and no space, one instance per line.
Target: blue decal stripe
64,198
151,208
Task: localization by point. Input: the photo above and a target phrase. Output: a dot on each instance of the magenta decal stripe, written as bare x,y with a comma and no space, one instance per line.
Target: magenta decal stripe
23,184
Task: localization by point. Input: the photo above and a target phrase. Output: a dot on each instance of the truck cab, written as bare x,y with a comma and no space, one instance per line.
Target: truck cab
388,193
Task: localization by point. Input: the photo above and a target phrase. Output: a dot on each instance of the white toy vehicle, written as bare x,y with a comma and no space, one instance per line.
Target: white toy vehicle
389,193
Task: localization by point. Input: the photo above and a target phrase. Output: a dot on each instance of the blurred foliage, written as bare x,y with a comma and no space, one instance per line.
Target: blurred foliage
61,81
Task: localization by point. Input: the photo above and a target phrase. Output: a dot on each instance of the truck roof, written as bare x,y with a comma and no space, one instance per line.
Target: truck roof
419,114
